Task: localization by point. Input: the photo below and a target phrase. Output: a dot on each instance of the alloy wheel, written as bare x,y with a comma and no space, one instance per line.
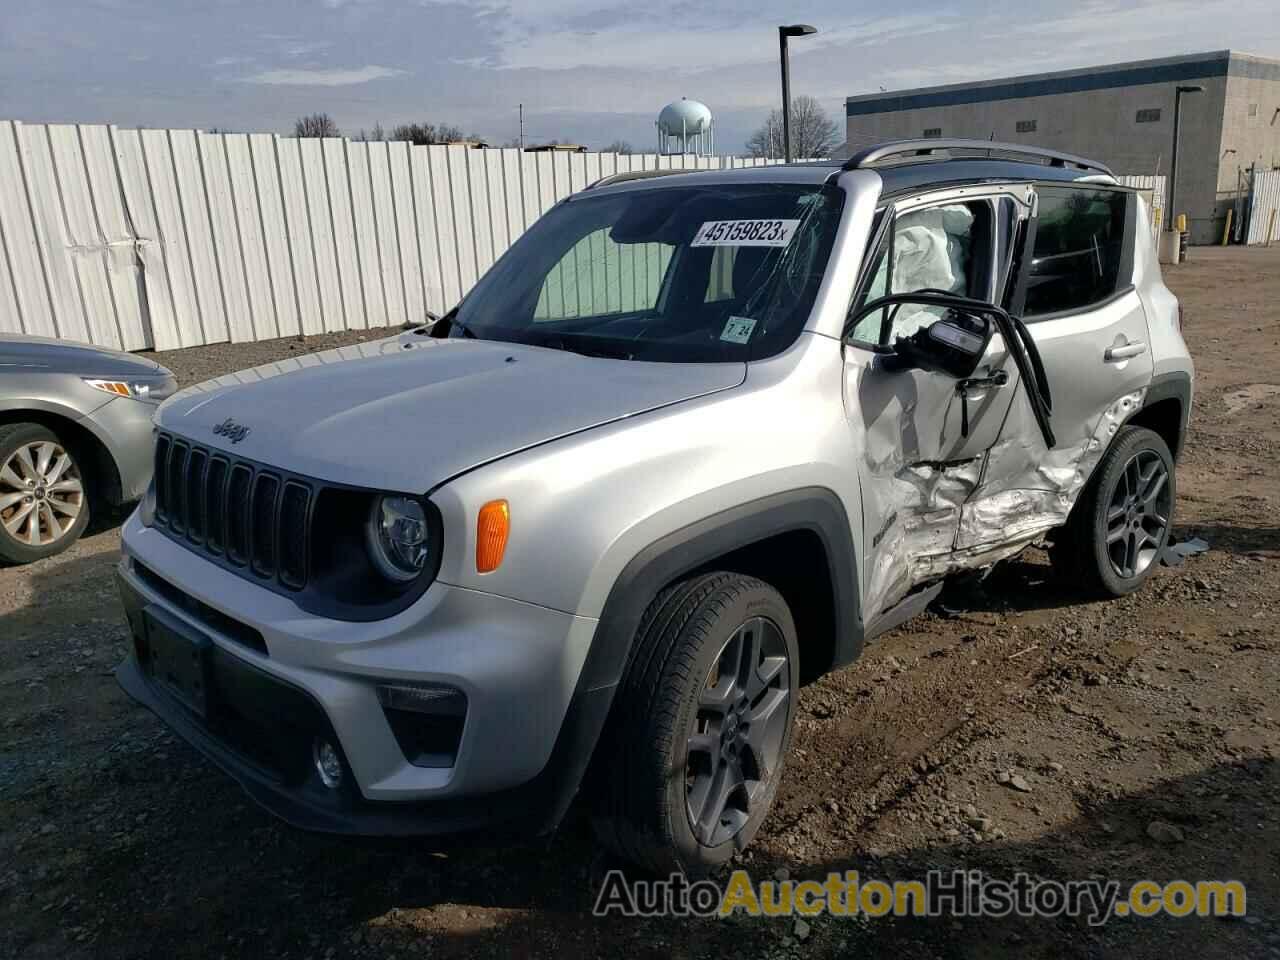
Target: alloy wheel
41,493
1138,514
738,731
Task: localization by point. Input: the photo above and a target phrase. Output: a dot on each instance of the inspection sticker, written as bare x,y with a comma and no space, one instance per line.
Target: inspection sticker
737,330
745,233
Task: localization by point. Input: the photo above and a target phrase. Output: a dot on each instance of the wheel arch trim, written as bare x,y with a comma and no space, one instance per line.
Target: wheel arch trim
1174,385
672,556
813,509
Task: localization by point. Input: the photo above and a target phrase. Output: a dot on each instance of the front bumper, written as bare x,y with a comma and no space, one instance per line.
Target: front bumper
292,677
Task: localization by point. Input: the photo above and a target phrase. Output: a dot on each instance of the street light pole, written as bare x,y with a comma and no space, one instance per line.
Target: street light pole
1173,162
794,30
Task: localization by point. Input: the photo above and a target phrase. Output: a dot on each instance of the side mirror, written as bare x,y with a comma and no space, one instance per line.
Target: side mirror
949,334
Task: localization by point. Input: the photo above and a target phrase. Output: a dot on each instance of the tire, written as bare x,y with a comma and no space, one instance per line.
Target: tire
1120,525
668,751
44,499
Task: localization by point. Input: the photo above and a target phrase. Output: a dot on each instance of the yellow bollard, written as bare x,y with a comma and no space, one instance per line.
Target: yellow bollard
1226,231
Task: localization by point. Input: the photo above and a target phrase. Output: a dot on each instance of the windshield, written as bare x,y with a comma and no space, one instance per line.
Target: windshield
689,274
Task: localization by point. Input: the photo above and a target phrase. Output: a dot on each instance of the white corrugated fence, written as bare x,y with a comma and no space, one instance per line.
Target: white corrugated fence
174,238
161,239
1264,207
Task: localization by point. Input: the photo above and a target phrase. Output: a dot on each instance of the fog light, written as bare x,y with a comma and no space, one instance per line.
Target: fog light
423,698
328,763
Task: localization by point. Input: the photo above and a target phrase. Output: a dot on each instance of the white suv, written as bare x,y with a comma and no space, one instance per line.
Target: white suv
690,443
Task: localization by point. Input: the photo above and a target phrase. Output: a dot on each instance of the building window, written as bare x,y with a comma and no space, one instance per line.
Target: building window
1026,126
1149,116
1253,109
932,132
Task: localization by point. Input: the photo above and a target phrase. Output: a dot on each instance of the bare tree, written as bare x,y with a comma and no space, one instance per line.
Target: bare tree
813,134
618,146
375,135
425,133
316,125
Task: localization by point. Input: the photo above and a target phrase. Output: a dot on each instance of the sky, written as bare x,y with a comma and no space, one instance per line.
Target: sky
587,71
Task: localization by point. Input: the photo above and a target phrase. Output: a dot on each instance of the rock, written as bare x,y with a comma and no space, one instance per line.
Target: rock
1002,777
1019,784
48,828
1055,767
876,853
782,874
1162,832
801,929
969,810
833,807
981,824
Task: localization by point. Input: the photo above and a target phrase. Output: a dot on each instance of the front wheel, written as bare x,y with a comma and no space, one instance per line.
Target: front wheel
691,761
1121,525
43,499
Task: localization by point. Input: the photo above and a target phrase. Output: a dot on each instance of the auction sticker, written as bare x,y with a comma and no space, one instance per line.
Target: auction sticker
745,233
737,330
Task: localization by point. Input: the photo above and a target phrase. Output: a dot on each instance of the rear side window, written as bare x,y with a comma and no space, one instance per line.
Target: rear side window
1079,249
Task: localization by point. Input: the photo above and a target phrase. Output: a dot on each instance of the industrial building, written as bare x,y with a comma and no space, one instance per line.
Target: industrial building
1121,114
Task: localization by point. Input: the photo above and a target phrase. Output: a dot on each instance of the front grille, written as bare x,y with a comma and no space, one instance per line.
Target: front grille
245,515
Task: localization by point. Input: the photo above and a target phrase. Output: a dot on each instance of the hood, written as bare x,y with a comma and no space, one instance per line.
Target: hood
408,413
66,356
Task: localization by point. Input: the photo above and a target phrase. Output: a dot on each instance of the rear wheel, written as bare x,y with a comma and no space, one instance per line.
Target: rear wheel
1118,530
690,764
44,505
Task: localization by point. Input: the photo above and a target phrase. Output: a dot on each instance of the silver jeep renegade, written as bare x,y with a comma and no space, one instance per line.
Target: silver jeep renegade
690,443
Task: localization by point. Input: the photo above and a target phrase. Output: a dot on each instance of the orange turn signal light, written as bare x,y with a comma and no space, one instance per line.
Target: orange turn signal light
491,535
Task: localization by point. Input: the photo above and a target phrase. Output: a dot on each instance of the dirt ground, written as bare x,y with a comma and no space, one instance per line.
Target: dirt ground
117,840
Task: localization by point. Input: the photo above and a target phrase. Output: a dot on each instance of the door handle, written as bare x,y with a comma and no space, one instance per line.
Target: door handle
1133,349
997,379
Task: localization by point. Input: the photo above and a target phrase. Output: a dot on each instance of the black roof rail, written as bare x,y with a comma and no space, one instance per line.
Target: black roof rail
938,149
637,175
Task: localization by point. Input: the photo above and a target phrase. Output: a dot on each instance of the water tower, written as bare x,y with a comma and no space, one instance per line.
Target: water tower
685,126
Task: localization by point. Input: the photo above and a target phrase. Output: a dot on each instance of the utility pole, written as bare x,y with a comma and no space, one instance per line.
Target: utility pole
1170,223
794,30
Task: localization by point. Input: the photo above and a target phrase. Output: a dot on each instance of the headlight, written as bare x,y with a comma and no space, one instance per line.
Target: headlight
146,389
398,538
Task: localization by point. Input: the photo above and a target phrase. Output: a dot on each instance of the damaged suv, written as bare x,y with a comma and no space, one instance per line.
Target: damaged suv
690,443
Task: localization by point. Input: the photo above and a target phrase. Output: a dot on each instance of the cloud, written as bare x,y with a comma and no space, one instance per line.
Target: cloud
322,78
571,34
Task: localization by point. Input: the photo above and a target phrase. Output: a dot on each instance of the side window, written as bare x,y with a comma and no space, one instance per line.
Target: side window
945,248
1078,249
598,277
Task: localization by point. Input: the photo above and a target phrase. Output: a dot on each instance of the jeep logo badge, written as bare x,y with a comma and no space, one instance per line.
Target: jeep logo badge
233,431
